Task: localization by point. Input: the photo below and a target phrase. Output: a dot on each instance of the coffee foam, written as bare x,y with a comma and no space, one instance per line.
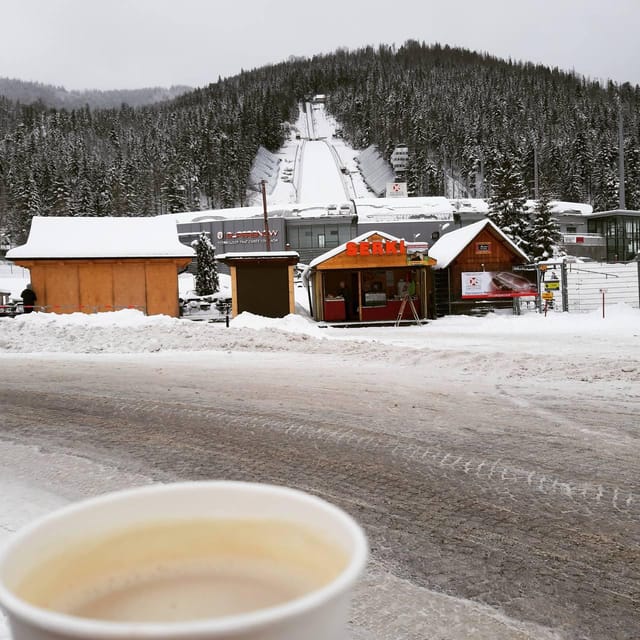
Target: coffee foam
187,570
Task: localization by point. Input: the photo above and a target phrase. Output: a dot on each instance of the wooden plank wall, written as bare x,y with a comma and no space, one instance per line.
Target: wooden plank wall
68,286
501,257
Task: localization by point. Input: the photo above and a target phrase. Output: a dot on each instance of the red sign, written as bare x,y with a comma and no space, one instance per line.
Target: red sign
377,248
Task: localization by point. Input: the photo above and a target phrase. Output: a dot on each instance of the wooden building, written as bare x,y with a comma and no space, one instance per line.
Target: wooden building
475,268
368,278
104,264
262,282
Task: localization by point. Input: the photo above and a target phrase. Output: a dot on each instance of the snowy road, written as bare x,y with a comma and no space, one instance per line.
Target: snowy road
498,508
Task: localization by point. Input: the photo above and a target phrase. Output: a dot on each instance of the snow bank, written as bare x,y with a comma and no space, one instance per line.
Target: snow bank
618,318
291,323
557,335
130,331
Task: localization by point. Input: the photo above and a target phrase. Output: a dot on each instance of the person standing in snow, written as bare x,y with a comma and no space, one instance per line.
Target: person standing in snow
28,298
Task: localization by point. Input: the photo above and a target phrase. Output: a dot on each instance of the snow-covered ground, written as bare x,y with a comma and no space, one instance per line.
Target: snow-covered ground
320,181
560,344
558,352
310,168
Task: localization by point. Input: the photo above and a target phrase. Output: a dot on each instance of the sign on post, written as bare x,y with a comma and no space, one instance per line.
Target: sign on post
603,291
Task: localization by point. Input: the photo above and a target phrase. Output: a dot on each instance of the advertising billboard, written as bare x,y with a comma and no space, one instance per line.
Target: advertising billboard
236,235
496,284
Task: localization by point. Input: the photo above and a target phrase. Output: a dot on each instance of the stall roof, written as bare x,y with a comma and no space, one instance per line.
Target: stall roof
449,246
83,237
343,247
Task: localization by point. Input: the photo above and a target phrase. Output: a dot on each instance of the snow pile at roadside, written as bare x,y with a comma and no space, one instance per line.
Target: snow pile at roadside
560,347
618,317
554,350
130,331
291,323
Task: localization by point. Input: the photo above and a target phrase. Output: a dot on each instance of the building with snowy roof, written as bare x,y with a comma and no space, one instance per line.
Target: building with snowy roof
311,228
104,264
374,278
262,282
475,268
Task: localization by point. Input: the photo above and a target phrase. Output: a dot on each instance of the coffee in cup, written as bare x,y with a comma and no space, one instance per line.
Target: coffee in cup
207,560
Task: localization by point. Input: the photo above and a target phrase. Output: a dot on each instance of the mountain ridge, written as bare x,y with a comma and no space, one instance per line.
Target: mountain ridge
460,113
57,97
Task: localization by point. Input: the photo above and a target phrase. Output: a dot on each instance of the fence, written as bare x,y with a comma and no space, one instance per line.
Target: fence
585,284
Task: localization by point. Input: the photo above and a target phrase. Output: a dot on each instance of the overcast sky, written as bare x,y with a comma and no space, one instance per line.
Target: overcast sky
124,44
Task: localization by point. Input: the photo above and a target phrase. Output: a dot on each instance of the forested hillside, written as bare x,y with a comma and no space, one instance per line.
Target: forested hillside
459,112
61,98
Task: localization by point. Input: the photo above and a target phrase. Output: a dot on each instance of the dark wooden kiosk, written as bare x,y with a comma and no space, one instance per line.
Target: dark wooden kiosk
475,270
104,264
375,277
262,283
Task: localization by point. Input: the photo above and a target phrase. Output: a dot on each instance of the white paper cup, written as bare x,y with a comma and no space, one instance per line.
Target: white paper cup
319,615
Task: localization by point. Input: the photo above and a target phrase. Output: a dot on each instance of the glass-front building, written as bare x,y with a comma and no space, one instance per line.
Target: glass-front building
621,231
311,237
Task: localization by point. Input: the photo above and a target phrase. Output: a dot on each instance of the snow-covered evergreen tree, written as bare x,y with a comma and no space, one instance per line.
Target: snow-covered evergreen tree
207,275
508,197
545,233
632,176
451,107
607,179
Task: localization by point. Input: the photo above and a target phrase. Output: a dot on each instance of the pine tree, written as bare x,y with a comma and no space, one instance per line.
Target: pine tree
508,197
59,197
168,155
207,274
545,233
632,176
174,191
27,205
607,179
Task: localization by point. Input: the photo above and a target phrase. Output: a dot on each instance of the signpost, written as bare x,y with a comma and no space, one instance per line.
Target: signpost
547,296
603,291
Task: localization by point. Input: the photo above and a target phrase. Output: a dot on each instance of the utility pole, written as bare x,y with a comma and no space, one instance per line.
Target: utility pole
263,184
621,195
536,187
480,179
